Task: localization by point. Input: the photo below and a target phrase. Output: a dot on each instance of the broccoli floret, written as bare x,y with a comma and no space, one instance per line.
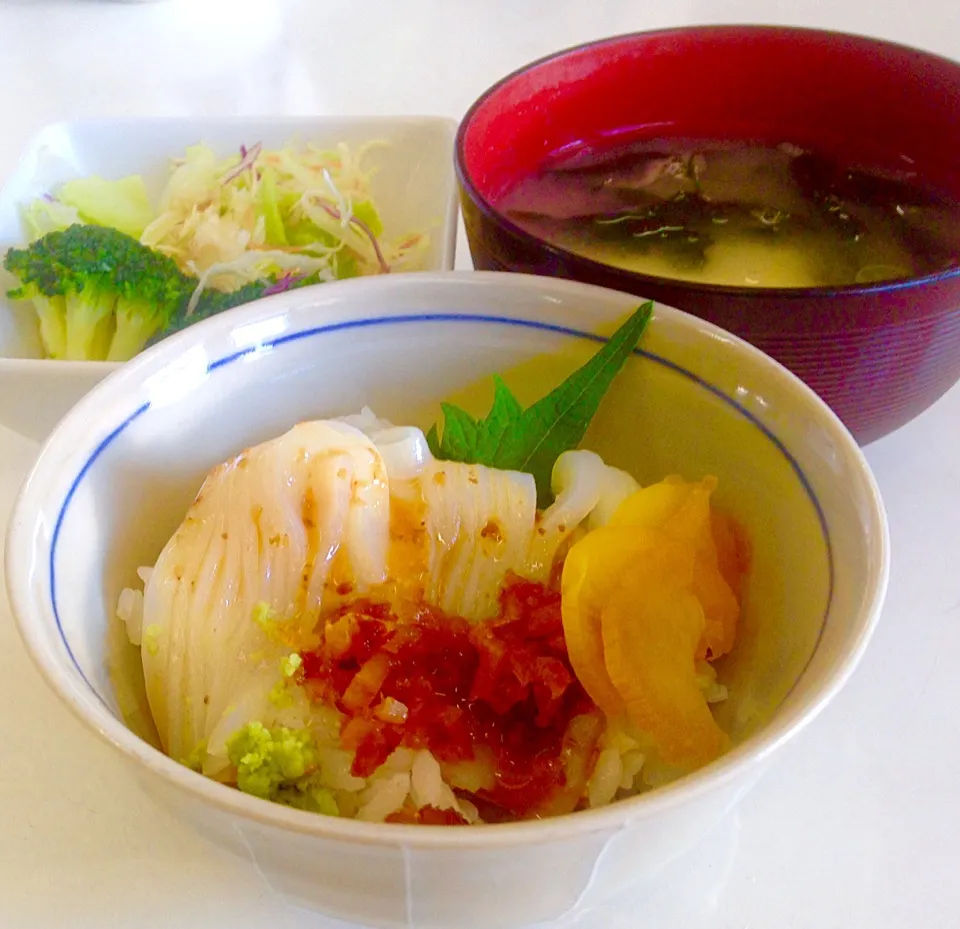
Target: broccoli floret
98,293
213,301
216,301
51,318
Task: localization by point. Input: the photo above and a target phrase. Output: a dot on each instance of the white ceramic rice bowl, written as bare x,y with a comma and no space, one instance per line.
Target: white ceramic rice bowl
118,473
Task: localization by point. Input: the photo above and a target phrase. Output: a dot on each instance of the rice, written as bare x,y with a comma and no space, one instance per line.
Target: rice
713,690
414,779
130,612
130,607
383,797
407,779
427,787
606,779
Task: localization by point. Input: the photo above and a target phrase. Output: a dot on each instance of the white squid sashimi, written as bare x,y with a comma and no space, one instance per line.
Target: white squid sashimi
482,523
587,489
272,526
303,521
478,521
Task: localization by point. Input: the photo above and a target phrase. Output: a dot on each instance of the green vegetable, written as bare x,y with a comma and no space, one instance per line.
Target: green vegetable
531,440
279,765
304,233
477,442
270,207
213,302
122,204
345,265
101,295
367,213
98,293
43,216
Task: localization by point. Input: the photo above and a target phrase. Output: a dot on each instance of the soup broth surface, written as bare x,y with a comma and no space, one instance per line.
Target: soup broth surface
740,214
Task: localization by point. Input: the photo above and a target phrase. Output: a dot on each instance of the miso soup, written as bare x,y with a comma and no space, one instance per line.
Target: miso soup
739,214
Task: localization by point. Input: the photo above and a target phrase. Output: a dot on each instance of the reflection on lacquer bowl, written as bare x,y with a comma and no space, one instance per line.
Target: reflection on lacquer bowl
879,353
117,475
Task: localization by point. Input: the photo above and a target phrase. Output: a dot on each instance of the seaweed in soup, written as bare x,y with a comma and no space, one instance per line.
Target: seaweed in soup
749,213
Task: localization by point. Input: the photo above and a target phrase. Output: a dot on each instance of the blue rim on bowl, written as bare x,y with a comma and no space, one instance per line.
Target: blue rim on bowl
91,708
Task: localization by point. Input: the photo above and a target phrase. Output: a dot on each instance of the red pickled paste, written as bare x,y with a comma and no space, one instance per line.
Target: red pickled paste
427,816
503,686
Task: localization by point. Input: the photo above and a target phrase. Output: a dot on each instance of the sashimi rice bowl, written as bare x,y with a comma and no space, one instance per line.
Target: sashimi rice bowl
493,552
411,639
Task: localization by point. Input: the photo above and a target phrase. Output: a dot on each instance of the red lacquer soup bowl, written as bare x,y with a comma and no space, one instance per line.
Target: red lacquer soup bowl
879,354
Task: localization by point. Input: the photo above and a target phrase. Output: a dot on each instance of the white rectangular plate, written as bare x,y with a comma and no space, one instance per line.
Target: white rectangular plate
413,188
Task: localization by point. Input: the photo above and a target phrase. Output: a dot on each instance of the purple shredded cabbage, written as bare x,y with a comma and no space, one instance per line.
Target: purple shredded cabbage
283,283
364,228
248,157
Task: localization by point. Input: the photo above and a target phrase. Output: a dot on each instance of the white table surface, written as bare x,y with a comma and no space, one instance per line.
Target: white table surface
856,824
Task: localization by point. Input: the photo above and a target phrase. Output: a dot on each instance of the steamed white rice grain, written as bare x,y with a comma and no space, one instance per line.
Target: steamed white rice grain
632,763
130,613
383,797
130,608
606,778
335,764
468,811
427,787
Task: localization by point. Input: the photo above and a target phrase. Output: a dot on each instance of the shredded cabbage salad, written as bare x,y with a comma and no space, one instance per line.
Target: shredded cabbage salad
288,213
